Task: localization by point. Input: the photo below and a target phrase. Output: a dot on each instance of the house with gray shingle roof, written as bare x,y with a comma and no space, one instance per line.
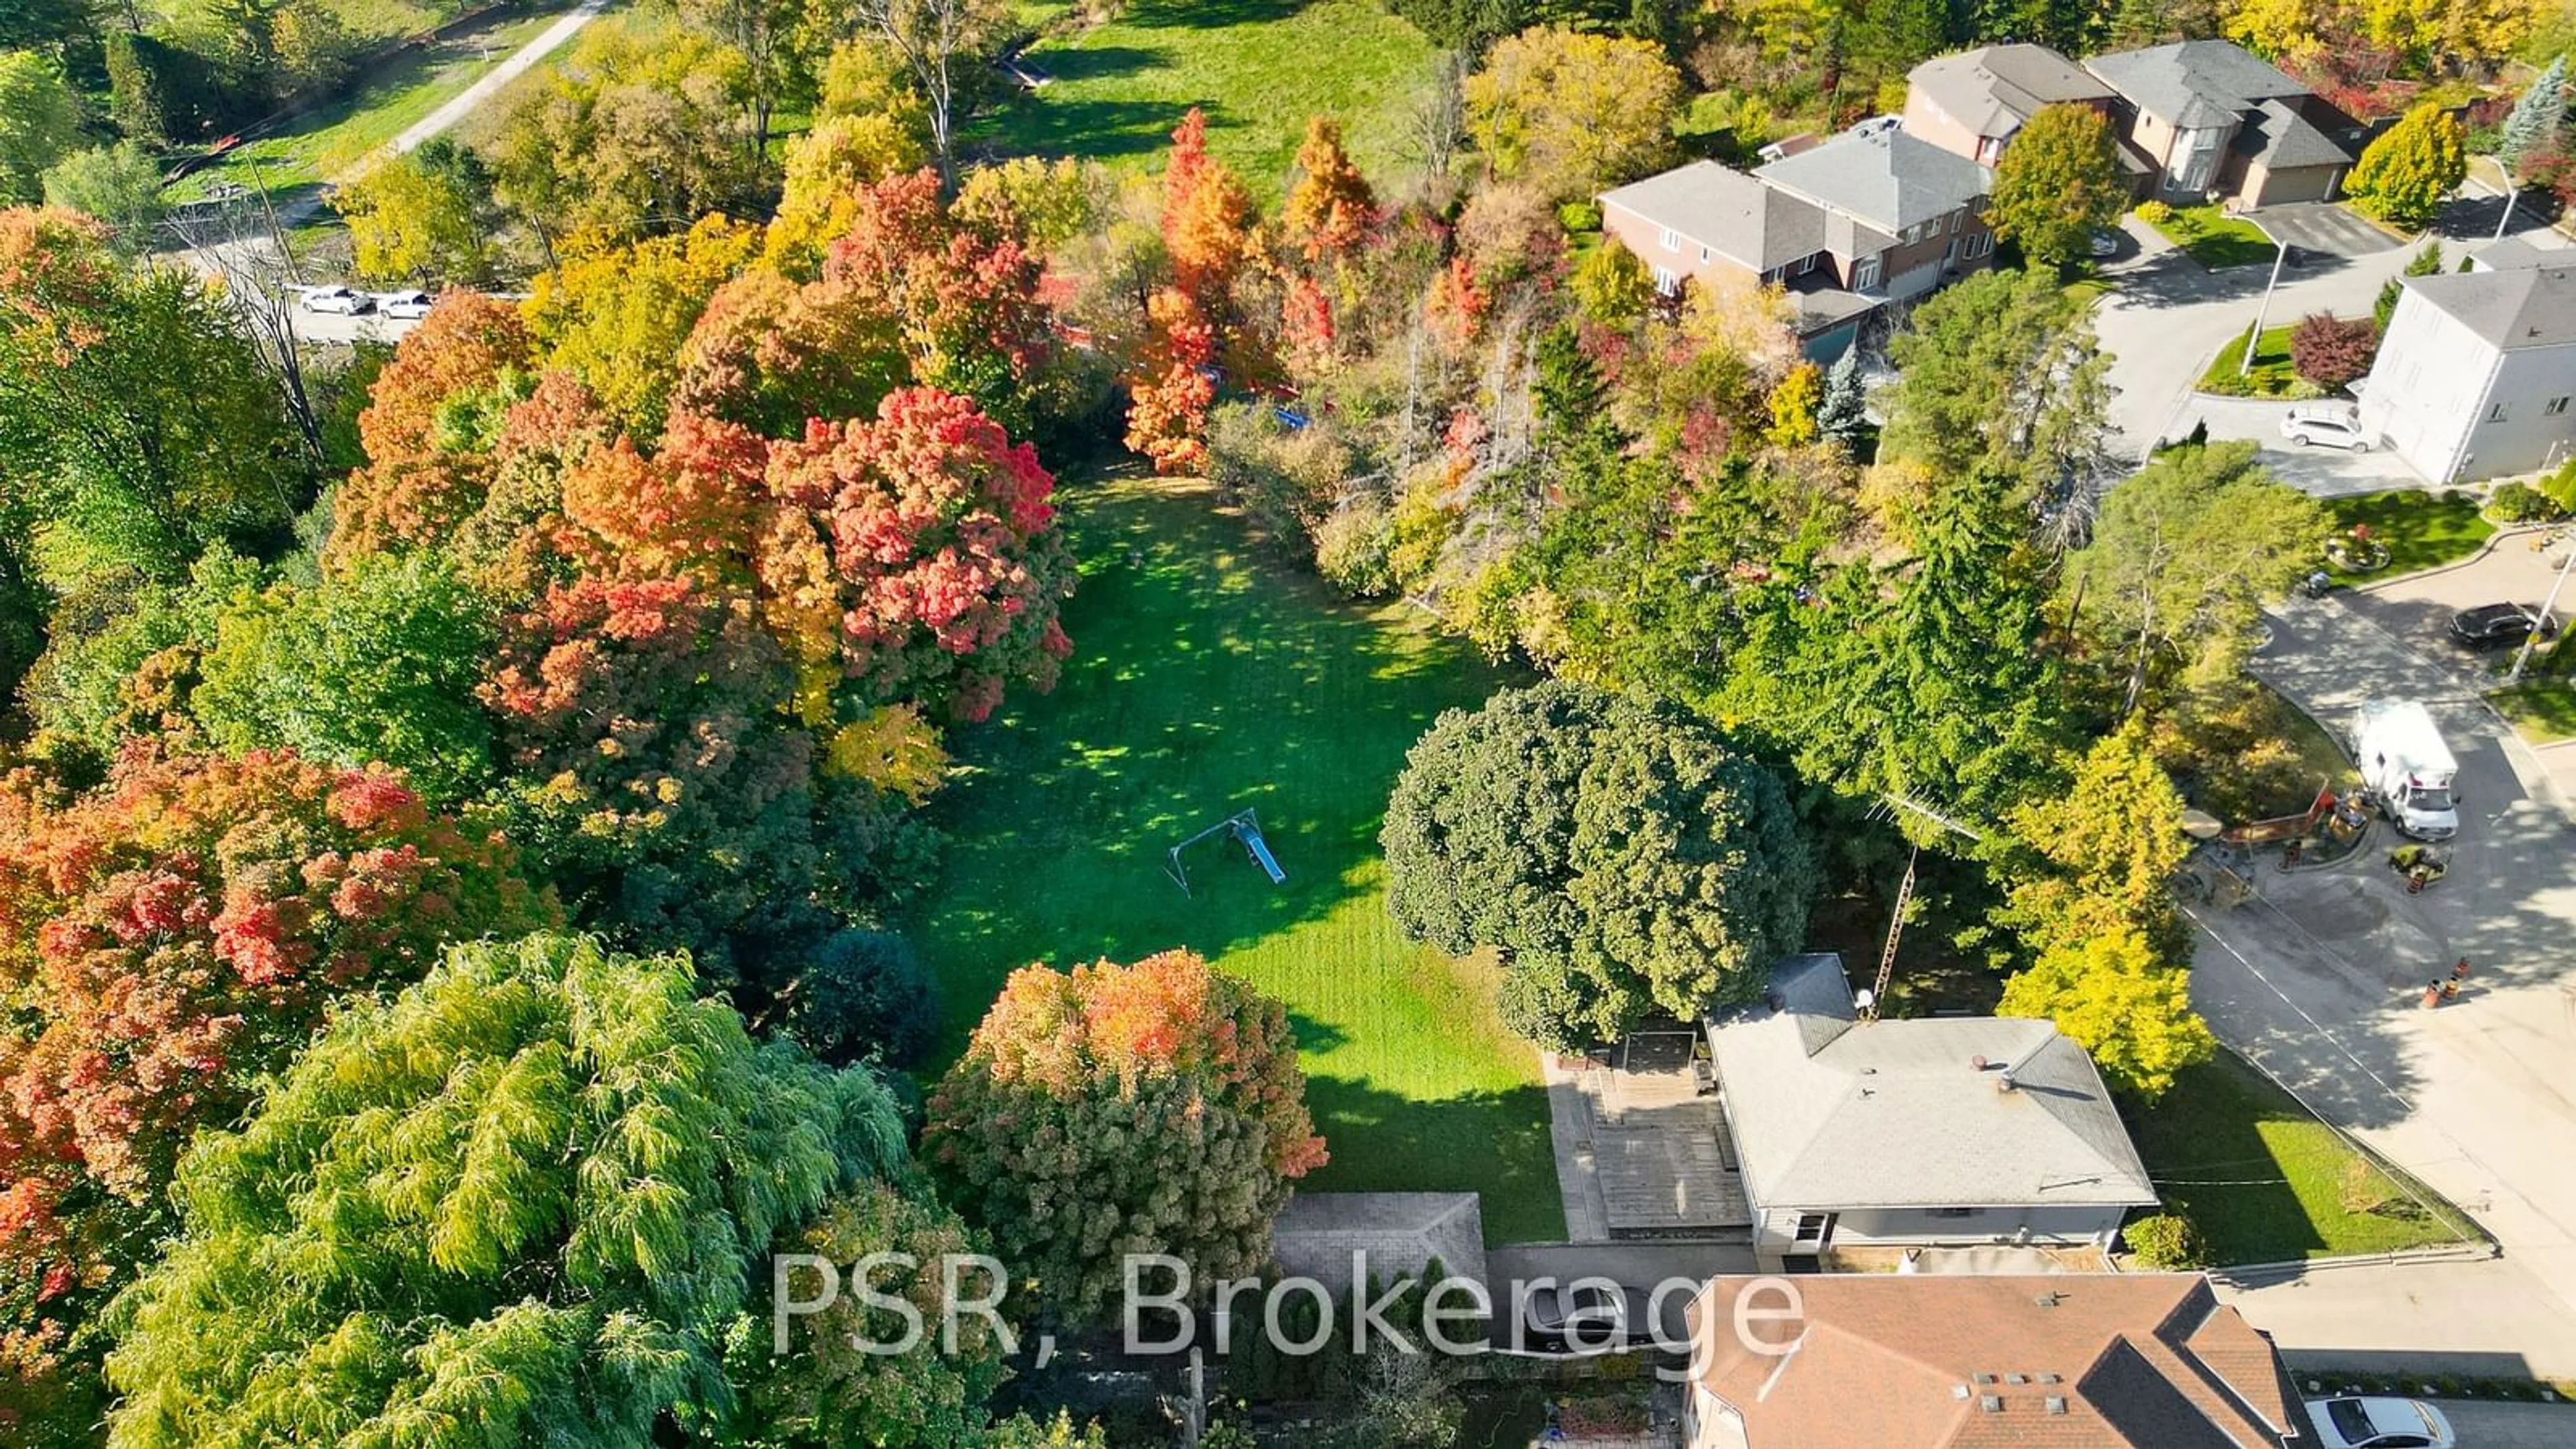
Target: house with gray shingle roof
2215,119
2475,375
1943,1130
1972,102
1920,1361
1843,228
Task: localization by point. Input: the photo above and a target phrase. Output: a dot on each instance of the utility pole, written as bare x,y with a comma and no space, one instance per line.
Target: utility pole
2280,253
2523,656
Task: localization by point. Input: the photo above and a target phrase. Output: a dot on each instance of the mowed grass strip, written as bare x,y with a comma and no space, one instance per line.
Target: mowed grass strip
1208,677
1258,68
2268,1183
330,140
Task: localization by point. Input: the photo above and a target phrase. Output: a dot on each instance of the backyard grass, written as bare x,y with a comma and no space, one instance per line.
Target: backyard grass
329,140
2268,1183
2420,530
2271,376
1258,68
1208,677
2543,710
2215,239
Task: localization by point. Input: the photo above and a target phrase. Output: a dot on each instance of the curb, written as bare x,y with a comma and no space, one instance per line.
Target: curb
2494,540
2480,1251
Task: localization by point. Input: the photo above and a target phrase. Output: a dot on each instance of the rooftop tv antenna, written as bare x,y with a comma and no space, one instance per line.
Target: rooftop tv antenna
1888,809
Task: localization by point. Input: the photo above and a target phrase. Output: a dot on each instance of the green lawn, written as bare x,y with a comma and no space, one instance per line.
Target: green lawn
2215,239
1208,677
1259,68
2267,1182
2421,530
332,138
2271,376
2544,710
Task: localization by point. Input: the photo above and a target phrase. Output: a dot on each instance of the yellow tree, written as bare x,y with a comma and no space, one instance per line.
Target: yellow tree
615,316
1573,113
2115,999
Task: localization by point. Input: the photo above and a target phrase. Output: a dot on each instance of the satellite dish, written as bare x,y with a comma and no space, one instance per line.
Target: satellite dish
2201,825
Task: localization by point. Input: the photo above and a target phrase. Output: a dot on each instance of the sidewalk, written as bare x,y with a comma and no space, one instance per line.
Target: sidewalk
2482,1318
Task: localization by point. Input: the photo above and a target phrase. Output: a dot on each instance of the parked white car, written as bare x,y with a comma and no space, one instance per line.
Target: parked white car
2331,425
347,301
404,306
2380,1423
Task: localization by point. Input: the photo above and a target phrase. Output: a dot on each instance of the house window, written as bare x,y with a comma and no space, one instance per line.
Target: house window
2497,413
1807,264
1952,1213
1865,274
1980,244
1666,282
1703,254
1672,240
2557,406
1954,219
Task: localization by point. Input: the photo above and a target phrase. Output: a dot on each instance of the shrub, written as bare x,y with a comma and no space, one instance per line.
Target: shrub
2166,1242
1355,551
1285,478
864,993
2330,351
1579,216
2561,486
2154,213
2522,503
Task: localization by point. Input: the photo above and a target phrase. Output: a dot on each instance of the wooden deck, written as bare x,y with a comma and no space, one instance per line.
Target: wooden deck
1660,1147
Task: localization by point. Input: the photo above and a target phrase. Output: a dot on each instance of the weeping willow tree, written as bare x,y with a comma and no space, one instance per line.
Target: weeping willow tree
525,1202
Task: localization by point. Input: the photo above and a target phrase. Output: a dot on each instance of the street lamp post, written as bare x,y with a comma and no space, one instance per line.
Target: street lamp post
2280,251
2548,609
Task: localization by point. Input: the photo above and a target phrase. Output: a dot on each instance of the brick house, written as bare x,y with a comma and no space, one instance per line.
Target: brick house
1969,104
2214,120
1844,227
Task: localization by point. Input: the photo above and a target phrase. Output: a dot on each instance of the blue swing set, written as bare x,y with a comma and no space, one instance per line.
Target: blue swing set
1245,826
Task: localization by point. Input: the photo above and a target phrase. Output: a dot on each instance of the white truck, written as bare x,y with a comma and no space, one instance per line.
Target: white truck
2405,764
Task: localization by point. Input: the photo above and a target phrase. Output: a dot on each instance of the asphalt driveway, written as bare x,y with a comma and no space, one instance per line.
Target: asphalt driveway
2321,472
2322,227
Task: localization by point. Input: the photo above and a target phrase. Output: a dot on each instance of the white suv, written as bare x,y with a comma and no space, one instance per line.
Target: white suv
2336,425
345,300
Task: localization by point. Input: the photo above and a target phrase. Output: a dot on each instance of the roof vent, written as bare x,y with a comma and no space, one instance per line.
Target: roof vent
2049,1378
1991,1403
2056,1404
1958,1391
2016,1378
1985,1378
2047,1300
2004,1083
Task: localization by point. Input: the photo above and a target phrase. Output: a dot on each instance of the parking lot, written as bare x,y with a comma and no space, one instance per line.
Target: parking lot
2320,471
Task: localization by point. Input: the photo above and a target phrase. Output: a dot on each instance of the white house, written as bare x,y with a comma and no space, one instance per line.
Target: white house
2475,375
1957,1130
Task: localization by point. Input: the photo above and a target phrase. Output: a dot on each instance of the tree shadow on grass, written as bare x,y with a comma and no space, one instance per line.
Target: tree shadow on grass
1102,130
1207,14
1493,1143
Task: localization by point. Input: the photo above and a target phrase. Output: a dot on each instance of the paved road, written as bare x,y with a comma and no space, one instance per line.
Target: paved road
2169,316
2512,1426
2317,980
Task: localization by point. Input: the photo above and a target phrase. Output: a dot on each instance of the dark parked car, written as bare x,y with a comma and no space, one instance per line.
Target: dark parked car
2494,626
1584,1316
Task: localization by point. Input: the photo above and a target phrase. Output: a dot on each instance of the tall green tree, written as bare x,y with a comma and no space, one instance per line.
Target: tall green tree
2183,556
134,413
2403,176
119,186
425,215
1928,678
1620,852
2057,184
2000,375
39,122
530,1200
